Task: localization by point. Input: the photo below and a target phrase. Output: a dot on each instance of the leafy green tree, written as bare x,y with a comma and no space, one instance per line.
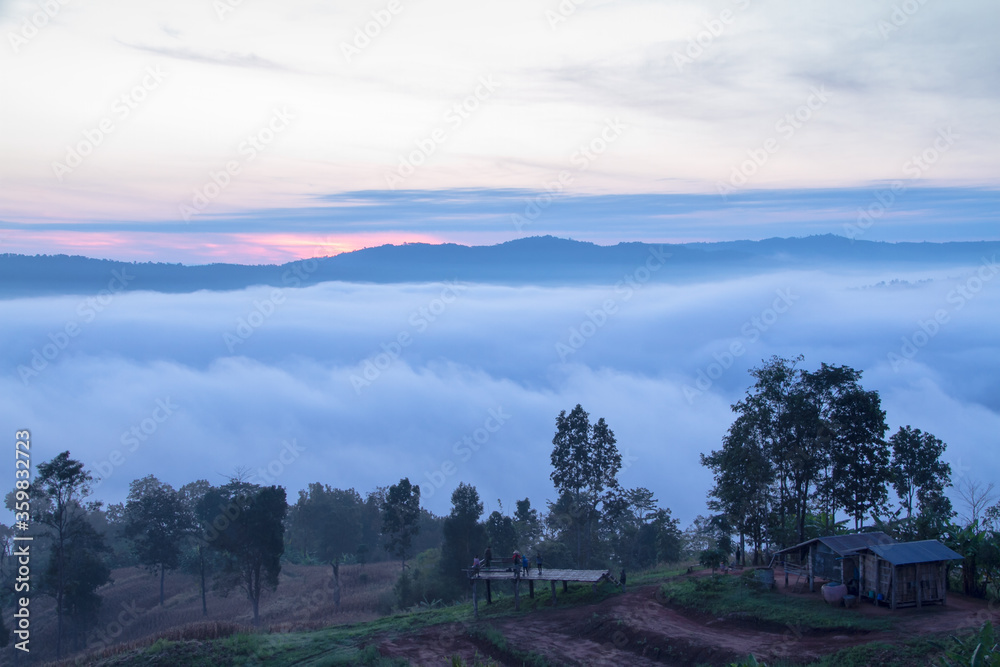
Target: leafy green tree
527,524
744,475
157,522
860,456
199,558
59,488
920,478
325,523
400,518
252,538
87,571
501,535
585,464
464,536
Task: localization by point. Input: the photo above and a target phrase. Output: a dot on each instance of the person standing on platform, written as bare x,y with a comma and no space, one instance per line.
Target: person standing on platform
488,556
538,559
526,565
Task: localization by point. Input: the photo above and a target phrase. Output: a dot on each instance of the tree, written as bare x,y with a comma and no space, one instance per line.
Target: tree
200,513
59,487
920,478
253,538
464,536
325,524
585,464
527,524
860,457
501,535
400,515
157,522
744,475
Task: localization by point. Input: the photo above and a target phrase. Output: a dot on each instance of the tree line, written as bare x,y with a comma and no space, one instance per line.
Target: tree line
808,447
235,536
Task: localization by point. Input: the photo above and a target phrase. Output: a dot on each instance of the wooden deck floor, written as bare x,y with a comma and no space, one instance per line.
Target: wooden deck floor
586,576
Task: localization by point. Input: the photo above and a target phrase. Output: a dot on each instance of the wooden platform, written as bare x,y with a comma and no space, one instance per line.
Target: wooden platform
585,576
490,575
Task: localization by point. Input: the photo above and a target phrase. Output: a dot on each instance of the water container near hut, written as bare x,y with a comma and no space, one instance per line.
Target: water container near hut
834,593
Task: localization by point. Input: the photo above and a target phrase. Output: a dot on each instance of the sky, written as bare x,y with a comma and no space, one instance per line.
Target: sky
256,132
250,131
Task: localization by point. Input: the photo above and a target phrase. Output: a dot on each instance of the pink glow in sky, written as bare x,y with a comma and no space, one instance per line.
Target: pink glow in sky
205,248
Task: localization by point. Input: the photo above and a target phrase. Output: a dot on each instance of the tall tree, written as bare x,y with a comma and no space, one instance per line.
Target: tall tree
157,522
58,491
860,454
527,524
501,535
253,538
919,476
325,523
199,559
585,464
464,536
400,518
744,475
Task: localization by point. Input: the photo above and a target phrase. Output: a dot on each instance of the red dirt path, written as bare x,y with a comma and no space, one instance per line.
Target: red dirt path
635,629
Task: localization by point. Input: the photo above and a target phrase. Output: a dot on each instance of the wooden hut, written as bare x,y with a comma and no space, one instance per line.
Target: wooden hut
908,574
833,558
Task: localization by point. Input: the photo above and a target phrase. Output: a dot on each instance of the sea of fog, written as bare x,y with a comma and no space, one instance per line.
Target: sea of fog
358,385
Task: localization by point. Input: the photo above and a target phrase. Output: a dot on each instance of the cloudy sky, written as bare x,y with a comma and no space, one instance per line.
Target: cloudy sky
252,131
257,131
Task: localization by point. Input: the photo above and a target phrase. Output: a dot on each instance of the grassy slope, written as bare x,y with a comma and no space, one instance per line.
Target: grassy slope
726,596
354,644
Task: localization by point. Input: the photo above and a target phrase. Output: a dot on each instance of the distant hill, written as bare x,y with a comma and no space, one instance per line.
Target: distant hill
535,260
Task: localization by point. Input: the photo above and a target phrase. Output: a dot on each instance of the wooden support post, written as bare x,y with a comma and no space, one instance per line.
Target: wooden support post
812,576
475,601
565,587
489,593
517,594
593,588
531,589
553,582
784,566
892,588
919,596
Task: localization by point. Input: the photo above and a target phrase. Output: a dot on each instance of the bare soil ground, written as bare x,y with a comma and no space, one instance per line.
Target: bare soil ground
131,611
636,629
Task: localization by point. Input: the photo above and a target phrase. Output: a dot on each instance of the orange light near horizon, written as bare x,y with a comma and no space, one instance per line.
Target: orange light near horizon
263,248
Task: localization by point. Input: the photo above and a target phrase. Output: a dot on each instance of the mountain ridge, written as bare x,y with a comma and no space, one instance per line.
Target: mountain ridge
529,260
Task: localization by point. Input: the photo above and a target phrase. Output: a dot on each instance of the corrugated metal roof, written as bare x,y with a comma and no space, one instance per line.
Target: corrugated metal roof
845,544
905,553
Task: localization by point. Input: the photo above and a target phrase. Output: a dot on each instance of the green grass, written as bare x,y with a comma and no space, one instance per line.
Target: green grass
916,652
729,597
353,644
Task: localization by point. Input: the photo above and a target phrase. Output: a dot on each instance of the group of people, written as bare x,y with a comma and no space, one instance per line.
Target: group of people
520,563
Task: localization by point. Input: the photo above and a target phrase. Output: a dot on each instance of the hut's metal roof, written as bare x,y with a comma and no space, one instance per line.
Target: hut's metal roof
905,553
845,544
